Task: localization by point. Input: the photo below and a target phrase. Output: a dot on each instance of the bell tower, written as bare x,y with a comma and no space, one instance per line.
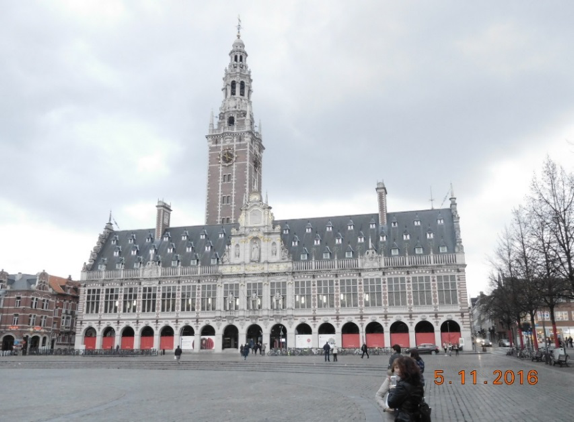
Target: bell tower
235,148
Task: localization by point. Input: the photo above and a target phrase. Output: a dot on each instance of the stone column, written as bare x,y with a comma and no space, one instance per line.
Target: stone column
387,336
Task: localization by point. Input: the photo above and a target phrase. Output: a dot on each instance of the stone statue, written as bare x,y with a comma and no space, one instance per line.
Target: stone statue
254,300
230,302
255,253
237,250
274,249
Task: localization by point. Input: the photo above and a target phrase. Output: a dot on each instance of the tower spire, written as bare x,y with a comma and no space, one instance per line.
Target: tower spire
238,26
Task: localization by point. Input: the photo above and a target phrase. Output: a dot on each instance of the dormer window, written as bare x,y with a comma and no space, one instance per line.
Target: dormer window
443,249
383,238
185,235
132,239
440,221
417,222
395,251
102,264
329,227
171,248
305,255
327,254
361,238
118,251
175,261
152,252
372,225
430,235
349,253
309,228
208,247
115,240
394,224
317,240
149,238
135,250
120,264
194,260
138,262
189,248
286,229
419,250
203,235
339,239
166,237
221,235
350,225
295,241
406,236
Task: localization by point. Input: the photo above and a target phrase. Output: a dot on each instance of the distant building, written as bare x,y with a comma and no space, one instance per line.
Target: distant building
380,278
37,311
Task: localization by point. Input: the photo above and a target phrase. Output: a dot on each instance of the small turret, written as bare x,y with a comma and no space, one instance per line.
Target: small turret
382,199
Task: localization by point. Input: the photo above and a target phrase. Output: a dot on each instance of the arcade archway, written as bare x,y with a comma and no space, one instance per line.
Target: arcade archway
207,338
303,336
90,338
108,338
166,338
375,336
424,333
400,334
350,335
278,337
186,337
450,332
230,337
127,338
146,339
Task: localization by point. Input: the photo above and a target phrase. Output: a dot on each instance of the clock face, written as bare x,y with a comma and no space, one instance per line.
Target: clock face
227,157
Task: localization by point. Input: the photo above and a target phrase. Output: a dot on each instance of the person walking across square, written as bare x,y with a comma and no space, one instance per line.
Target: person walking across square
177,353
335,351
365,351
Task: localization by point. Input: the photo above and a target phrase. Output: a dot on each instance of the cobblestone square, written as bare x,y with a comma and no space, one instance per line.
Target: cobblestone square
223,387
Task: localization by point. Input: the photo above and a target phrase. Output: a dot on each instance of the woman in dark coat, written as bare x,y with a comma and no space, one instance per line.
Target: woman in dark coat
407,396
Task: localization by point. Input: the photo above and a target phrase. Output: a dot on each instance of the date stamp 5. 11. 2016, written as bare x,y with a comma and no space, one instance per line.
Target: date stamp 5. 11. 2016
499,377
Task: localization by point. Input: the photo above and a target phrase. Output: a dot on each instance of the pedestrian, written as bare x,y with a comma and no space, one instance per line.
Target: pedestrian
260,348
381,397
241,350
396,354
177,353
263,348
407,396
444,347
335,351
570,341
450,349
365,350
245,351
420,363
326,350
456,348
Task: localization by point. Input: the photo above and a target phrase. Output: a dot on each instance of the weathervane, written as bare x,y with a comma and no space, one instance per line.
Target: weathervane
238,26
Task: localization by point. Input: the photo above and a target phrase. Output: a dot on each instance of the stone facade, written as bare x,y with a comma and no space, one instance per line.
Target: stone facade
380,278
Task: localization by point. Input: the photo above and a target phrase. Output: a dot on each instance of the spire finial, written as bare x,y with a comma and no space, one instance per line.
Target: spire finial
110,219
431,199
238,26
451,191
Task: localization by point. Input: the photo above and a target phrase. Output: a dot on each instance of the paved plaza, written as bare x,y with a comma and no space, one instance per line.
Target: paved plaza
224,387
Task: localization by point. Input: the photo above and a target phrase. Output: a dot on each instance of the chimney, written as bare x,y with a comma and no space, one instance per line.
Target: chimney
163,218
382,198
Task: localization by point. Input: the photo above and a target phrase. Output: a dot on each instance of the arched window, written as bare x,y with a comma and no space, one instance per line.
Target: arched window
241,59
236,57
242,89
230,121
233,85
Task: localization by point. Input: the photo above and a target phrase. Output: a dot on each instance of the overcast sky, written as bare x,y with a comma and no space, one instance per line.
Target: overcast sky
104,105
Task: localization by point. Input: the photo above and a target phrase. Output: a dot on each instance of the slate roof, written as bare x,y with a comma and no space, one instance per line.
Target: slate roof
22,281
173,246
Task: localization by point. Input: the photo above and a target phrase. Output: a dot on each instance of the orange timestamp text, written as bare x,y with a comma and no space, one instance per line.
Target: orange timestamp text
501,378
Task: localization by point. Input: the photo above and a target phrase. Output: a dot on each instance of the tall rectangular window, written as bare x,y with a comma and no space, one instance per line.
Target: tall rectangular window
231,296
303,294
45,304
149,297
397,291
111,300
34,303
32,320
130,300
208,297
446,285
15,319
278,291
372,295
188,297
422,293
325,293
43,321
168,298
254,295
18,301
349,293
93,301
